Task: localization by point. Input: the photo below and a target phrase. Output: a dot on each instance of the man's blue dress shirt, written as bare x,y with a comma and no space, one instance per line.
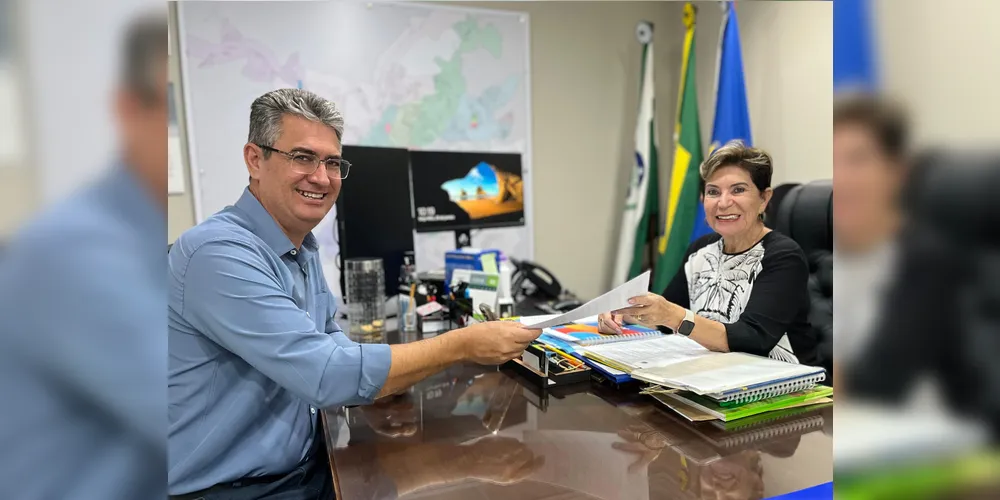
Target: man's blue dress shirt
83,348
254,350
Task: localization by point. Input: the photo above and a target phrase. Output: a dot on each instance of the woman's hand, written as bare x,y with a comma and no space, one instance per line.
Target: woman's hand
611,324
652,310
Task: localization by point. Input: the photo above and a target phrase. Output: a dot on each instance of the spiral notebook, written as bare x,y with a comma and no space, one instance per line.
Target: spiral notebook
678,362
584,332
734,376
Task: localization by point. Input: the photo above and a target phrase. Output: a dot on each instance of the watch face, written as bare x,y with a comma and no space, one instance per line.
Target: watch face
686,327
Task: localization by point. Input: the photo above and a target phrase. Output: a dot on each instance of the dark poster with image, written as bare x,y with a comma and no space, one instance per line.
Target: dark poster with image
454,191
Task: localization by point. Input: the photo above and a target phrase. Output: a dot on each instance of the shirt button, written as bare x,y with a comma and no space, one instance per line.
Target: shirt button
312,410
294,253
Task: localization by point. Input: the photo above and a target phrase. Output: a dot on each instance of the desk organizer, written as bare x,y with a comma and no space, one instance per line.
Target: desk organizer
535,366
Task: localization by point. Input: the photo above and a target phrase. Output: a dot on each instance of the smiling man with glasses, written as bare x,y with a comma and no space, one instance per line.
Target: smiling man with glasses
255,351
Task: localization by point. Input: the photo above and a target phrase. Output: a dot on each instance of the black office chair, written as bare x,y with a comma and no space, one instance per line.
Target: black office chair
779,193
805,215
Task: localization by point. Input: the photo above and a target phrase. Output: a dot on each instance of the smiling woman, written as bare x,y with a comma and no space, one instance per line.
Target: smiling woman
743,287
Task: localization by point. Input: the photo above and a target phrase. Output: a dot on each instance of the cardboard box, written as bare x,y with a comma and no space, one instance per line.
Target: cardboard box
473,259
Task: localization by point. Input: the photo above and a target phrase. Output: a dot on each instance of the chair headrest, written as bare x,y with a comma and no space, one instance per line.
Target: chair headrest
777,195
954,193
806,216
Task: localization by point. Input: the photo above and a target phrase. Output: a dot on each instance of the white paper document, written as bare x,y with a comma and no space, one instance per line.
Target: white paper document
655,352
527,320
615,299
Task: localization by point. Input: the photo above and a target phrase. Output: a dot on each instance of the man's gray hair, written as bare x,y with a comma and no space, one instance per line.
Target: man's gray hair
267,110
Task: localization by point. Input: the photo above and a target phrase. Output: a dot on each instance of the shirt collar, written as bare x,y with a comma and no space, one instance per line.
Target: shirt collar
267,229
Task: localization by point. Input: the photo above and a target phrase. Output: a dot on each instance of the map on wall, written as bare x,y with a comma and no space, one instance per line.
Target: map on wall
420,92
405,75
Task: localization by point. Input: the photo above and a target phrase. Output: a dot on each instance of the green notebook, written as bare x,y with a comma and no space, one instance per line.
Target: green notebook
728,414
768,418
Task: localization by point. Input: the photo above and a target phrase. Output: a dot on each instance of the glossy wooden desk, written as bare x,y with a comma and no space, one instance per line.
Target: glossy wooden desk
474,432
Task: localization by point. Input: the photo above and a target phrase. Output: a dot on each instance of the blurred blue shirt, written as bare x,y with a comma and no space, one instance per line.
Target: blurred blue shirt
83,348
254,350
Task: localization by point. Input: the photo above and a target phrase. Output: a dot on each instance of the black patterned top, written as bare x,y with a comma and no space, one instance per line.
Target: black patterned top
760,294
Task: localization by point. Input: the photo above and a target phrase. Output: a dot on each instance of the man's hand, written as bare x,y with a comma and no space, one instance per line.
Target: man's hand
495,342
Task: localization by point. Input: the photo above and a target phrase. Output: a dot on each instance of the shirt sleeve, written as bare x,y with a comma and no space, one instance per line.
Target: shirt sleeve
234,297
777,297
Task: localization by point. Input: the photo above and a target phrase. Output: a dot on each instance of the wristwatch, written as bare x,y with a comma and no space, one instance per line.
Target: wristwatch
687,324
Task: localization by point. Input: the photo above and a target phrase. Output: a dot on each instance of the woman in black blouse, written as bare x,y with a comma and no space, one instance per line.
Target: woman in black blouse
744,287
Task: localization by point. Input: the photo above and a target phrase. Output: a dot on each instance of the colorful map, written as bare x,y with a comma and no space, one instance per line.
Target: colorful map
445,82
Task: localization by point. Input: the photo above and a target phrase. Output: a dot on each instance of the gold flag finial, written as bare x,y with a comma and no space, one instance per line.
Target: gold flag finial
689,12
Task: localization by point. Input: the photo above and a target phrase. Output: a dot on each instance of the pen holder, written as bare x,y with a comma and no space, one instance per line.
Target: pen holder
536,366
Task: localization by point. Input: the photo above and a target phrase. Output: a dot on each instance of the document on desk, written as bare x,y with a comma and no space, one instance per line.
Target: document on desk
649,353
615,299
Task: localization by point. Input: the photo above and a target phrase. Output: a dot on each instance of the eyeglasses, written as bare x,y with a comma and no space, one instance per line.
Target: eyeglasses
307,163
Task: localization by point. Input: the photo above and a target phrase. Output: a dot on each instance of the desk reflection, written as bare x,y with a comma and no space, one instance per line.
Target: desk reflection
474,432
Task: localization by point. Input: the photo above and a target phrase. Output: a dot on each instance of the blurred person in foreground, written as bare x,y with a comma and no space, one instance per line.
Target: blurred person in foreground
82,328
869,170
255,349
911,274
743,287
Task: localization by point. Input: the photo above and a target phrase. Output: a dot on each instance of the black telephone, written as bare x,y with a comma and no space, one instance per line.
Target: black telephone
534,281
541,283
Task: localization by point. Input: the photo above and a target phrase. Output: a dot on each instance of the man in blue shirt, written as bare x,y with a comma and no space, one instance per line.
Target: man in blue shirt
255,350
82,326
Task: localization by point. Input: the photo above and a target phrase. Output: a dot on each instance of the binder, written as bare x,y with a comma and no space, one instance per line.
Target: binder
767,390
733,376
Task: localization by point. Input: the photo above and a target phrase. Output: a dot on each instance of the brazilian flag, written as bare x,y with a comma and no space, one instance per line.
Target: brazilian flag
682,204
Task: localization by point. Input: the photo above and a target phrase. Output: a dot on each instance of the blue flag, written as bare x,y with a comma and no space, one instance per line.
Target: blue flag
854,64
732,118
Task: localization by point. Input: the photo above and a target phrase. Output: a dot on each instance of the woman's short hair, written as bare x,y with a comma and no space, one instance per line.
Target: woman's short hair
884,118
736,153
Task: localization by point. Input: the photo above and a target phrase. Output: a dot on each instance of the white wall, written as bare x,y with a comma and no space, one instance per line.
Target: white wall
788,60
941,61
585,68
72,71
